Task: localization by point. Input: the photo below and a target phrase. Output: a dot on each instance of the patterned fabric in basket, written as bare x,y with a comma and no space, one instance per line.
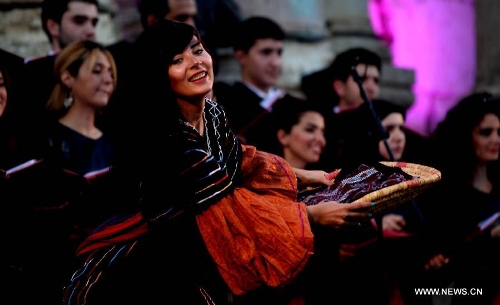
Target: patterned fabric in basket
356,184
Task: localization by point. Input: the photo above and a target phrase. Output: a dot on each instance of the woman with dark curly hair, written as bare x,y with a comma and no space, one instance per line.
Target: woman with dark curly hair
467,153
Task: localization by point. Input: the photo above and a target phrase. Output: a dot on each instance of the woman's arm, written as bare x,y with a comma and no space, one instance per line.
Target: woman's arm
336,214
314,177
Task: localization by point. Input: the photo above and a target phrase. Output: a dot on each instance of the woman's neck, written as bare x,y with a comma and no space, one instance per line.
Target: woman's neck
193,113
480,180
82,122
293,160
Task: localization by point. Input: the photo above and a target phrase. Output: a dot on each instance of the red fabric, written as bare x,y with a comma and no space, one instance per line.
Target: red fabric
260,234
123,231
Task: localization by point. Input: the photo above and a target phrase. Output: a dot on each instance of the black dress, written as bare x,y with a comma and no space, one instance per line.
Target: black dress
453,230
66,207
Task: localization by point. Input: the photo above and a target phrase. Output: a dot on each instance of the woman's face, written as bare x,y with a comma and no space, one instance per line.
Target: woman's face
306,140
3,94
486,138
394,125
191,73
93,85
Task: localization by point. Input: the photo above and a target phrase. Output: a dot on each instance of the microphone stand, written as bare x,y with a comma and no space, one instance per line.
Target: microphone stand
380,128
384,134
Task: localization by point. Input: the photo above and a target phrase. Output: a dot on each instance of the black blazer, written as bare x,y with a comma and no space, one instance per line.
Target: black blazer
39,81
248,120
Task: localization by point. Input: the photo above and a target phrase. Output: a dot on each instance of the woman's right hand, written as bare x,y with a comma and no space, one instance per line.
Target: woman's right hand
337,215
436,262
393,222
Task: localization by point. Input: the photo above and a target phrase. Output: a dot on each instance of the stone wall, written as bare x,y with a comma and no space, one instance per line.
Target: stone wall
21,29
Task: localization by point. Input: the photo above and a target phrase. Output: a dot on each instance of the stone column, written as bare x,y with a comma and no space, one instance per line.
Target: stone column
488,46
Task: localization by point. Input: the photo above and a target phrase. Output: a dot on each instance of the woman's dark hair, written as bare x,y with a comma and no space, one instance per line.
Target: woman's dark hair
6,81
384,107
9,148
153,52
453,135
285,115
149,113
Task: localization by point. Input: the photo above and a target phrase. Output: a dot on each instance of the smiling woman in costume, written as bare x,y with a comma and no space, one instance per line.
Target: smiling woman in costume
213,217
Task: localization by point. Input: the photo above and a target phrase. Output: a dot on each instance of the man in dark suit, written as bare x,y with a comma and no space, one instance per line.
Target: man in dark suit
351,128
63,21
258,48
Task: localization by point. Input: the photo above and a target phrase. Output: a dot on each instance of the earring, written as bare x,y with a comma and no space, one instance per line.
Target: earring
68,100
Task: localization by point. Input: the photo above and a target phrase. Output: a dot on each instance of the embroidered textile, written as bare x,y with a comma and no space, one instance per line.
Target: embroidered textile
365,179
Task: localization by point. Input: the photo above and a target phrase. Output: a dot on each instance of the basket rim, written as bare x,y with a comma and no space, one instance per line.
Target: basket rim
424,177
426,174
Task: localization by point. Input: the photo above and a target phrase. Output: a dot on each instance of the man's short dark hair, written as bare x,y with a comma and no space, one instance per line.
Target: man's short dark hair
55,9
254,28
317,86
343,63
157,8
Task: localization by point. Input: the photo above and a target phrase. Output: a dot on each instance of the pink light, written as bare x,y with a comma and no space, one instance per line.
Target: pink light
435,38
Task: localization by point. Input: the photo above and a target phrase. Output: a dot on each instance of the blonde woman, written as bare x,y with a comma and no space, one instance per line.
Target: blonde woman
86,77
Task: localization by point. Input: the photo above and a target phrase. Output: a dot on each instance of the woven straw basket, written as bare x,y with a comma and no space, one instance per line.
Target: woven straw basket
392,196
